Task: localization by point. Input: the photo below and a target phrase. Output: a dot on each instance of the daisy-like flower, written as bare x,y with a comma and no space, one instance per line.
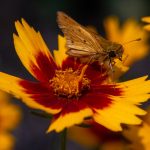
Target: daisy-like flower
128,31
9,118
71,91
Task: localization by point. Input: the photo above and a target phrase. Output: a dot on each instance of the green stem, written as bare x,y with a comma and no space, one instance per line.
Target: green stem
63,139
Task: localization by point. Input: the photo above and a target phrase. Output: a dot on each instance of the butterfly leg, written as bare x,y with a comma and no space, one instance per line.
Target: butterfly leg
75,61
90,60
111,64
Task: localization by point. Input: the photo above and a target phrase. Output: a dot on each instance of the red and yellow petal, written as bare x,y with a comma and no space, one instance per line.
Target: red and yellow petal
70,62
118,112
33,52
42,94
98,96
97,100
60,54
73,113
136,87
30,94
123,109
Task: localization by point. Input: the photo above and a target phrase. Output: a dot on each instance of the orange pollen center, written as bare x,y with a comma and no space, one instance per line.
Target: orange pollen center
69,83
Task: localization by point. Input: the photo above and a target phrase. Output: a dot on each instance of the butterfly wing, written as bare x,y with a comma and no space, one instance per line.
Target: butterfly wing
80,42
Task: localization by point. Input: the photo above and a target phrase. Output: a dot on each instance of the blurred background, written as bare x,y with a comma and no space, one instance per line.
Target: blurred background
41,14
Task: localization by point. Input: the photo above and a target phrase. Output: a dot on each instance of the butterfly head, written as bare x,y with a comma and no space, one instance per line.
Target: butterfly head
115,51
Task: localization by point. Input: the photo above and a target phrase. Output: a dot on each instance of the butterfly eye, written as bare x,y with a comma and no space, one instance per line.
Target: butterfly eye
112,54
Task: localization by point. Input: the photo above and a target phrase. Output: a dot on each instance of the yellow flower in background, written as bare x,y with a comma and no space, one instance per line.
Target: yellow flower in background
9,118
132,137
96,136
139,136
69,90
114,145
7,141
146,20
128,31
133,52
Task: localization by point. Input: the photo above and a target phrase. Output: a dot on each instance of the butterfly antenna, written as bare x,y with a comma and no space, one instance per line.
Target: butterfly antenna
135,40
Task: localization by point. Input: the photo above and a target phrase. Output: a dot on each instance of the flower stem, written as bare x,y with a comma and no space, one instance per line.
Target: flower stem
63,139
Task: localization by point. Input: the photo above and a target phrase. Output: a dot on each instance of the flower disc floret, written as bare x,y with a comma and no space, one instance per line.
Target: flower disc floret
69,83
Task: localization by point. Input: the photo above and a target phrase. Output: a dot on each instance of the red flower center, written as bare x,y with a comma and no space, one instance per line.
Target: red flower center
69,83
